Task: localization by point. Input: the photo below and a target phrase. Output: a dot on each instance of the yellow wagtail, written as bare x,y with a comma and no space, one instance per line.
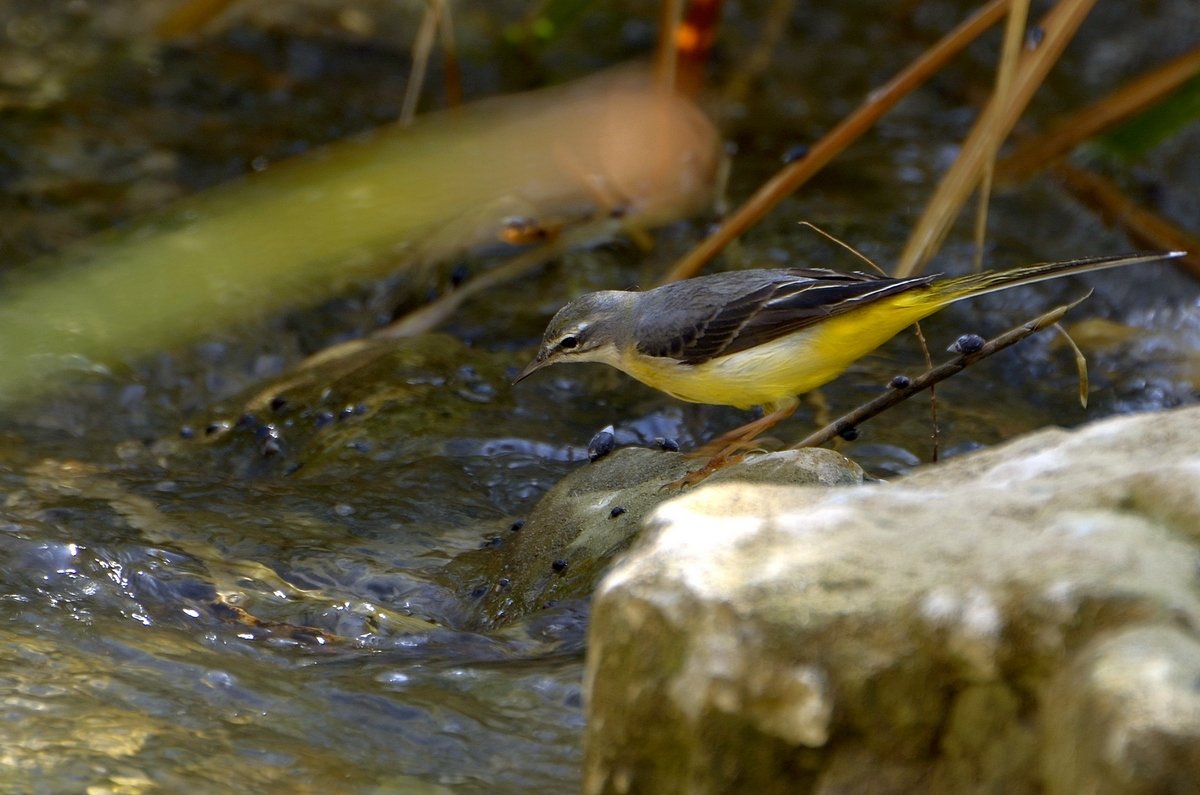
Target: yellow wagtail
765,337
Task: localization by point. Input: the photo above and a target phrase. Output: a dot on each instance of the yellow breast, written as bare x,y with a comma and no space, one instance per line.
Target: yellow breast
779,370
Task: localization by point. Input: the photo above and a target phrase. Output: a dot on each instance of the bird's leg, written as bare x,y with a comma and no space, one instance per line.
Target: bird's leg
741,436
728,448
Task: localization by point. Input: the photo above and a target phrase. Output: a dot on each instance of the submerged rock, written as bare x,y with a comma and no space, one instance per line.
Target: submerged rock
1019,620
579,526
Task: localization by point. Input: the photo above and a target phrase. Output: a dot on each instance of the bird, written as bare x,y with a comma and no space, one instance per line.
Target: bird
766,336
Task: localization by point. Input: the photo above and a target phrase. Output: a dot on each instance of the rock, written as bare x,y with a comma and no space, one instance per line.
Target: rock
1126,716
579,526
1020,620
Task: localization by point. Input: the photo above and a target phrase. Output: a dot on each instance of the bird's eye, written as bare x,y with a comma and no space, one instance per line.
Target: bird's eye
567,343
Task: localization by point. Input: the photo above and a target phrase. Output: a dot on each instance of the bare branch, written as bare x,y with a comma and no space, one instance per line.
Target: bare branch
898,394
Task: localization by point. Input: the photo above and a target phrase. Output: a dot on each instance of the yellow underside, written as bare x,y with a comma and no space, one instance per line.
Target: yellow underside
776,372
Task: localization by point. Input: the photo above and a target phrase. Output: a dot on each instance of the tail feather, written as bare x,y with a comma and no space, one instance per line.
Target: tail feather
946,291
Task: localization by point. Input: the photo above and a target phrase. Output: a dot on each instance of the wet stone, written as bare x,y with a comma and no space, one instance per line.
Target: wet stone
570,539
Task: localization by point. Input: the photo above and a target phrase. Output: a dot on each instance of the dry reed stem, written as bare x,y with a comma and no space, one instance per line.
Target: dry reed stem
993,125
1067,131
190,17
670,20
755,63
422,48
451,72
1143,226
1014,36
846,132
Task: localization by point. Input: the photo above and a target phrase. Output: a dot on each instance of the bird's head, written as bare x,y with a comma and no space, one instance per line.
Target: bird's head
589,329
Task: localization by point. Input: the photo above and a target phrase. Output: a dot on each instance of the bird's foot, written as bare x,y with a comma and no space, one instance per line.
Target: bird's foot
728,454
731,447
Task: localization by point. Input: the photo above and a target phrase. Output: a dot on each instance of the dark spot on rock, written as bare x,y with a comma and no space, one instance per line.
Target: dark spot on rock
323,418
247,420
479,592
187,432
615,512
213,428
559,565
517,525
504,582
665,443
459,274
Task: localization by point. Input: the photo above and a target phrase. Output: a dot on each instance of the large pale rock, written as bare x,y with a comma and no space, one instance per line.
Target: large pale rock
1021,620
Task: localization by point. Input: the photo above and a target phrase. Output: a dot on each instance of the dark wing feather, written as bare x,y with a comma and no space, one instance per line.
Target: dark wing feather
725,313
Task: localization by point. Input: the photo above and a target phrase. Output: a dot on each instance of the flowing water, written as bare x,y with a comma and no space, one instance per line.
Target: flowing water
215,579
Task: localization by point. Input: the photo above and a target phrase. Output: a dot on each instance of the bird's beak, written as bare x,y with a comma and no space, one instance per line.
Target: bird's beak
538,363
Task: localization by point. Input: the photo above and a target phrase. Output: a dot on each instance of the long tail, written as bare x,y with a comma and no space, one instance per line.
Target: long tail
946,291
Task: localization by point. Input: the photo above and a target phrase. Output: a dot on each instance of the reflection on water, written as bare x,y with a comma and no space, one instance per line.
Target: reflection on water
94,698
122,667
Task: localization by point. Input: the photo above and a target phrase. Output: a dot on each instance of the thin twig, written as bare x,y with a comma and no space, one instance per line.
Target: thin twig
930,377
451,71
436,312
1014,36
670,16
935,429
850,129
1142,225
190,16
933,418
992,126
422,48
1130,99
755,63
845,245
